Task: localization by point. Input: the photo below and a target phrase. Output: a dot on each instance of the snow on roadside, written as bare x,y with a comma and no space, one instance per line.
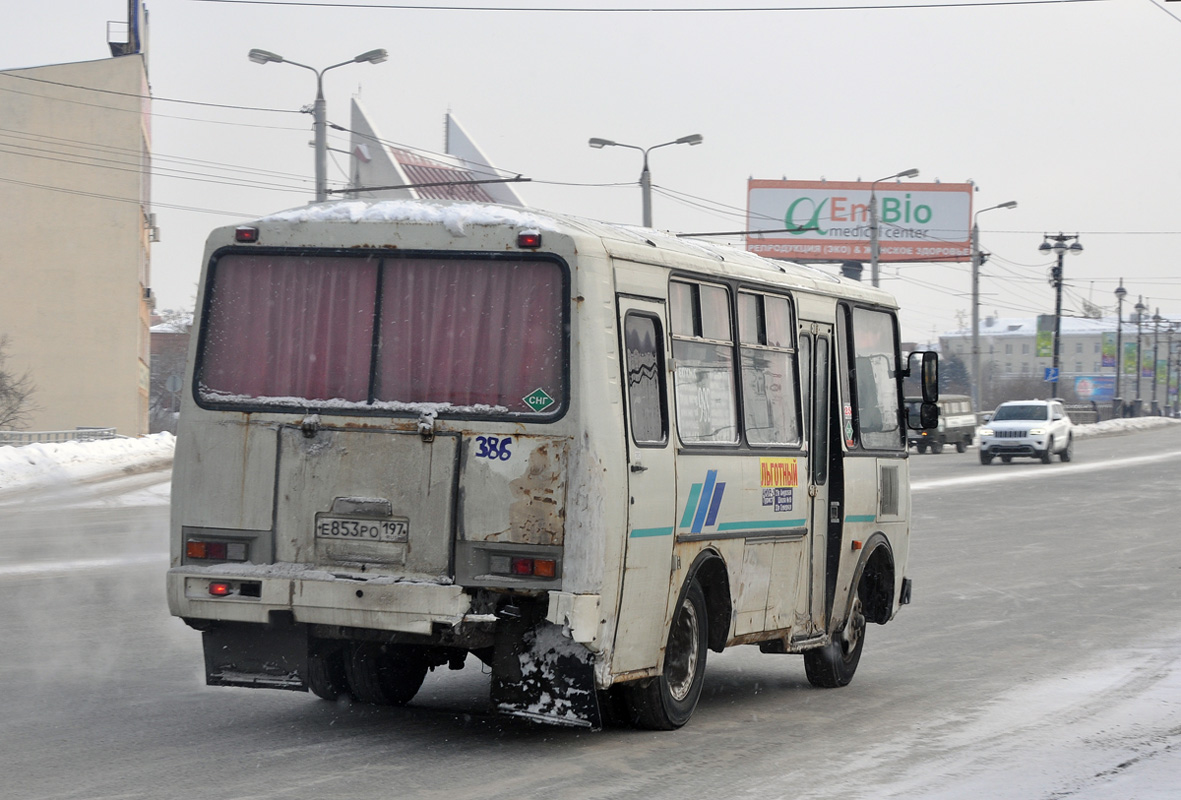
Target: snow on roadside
1113,427
38,465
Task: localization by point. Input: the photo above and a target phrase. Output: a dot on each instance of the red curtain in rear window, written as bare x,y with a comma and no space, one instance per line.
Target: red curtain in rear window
471,332
290,327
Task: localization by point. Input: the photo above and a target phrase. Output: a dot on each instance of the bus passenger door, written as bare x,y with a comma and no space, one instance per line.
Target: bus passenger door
651,485
825,503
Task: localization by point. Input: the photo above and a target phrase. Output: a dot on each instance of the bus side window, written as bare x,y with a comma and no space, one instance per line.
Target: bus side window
645,379
820,412
806,382
768,369
703,354
875,359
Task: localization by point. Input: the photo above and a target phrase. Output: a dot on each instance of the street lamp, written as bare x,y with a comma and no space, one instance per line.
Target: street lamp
1120,294
1059,248
319,121
1168,369
873,219
977,262
1156,318
645,175
1140,309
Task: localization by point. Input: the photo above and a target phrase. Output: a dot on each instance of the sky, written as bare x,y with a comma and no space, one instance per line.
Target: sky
1068,108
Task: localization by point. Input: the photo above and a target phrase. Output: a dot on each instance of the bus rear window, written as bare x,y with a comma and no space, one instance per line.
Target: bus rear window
470,335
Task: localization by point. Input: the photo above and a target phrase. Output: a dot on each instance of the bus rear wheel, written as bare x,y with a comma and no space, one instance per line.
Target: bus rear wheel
667,701
381,675
326,672
833,665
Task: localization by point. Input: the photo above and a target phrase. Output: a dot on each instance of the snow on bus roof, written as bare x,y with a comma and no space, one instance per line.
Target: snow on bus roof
454,216
457,216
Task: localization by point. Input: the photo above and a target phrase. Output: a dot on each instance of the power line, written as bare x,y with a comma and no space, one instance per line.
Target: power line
137,96
617,10
136,201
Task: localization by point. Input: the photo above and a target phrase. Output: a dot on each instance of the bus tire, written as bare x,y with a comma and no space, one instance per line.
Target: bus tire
666,702
326,673
382,676
833,665
961,446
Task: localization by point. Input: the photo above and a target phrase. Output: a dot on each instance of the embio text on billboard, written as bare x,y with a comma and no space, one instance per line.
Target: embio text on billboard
916,221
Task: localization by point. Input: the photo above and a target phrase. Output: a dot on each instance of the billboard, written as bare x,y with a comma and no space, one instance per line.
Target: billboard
1109,349
1095,388
916,221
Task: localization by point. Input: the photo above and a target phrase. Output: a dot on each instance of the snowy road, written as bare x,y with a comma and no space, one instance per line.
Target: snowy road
1041,659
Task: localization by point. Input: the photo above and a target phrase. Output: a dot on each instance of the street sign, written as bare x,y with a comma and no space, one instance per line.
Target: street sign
1051,375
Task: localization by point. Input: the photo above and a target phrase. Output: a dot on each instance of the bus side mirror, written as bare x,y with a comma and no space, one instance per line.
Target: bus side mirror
922,416
926,365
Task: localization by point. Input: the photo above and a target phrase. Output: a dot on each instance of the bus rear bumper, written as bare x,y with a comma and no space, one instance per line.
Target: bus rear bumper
314,597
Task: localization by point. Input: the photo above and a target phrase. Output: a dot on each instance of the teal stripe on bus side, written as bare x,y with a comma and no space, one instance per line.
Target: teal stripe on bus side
860,518
640,533
761,524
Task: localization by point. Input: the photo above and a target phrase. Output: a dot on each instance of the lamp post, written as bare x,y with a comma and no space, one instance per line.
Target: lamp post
1168,369
1156,318
874,245
977,262
1120,293
319,121
1140,309
1057,245
645,175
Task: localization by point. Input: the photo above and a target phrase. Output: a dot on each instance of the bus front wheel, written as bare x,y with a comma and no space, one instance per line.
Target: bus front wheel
667,701
833,664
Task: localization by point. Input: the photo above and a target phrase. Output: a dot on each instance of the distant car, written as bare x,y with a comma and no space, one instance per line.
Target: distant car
1027,428
957,425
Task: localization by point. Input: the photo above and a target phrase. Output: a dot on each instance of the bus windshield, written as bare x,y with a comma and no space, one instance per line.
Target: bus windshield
329,332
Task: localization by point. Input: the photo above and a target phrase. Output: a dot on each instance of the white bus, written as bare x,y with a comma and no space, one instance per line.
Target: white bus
585,454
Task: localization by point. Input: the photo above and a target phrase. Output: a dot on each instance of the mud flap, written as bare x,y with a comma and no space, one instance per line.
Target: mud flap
540,673
271,656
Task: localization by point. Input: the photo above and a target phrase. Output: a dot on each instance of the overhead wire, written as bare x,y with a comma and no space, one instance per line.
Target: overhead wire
646,10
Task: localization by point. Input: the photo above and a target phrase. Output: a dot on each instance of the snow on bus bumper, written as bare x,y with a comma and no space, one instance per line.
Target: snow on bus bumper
249,593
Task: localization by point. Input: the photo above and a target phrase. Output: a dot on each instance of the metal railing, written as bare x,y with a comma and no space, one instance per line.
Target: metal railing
20,438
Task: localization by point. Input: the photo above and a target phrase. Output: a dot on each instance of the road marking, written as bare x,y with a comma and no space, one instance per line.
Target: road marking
38,568
1041,470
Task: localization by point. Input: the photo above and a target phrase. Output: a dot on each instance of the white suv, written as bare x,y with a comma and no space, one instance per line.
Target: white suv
1030,428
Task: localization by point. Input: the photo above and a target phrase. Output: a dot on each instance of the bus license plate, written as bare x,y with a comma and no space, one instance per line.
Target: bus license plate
363,530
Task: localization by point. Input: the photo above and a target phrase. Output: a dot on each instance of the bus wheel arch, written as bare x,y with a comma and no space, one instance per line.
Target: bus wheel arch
874,581
709,570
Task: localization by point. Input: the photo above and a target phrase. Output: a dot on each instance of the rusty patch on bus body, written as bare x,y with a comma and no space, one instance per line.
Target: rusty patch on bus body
518,500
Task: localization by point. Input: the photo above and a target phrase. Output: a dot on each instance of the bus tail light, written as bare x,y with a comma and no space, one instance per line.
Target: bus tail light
524,566
205,550
220,589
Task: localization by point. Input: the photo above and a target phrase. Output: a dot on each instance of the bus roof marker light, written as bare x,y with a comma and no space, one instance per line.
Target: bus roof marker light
246,233
529,239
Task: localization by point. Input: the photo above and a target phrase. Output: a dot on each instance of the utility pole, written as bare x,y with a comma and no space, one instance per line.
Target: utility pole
1059,248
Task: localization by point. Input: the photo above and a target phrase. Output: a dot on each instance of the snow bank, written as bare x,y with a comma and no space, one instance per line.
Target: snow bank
1114,427
74,462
